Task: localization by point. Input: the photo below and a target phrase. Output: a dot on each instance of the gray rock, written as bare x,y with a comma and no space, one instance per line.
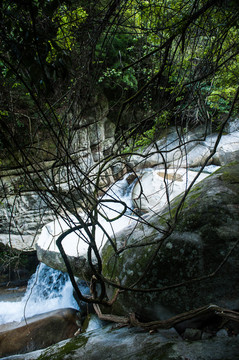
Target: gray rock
205,234
24,216
227,150
206,335
135,344
22,210
195,157
232,125
226,154
170,149
149,192
53,259
222,333
192,334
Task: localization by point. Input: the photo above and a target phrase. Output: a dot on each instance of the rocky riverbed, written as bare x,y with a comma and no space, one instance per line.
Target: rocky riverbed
204,241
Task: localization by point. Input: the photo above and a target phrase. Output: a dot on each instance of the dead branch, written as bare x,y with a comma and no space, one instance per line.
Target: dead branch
204,311
110,317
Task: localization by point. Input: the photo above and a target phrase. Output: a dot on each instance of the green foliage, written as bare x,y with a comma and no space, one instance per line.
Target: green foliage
113,78
112,55
161,122
39,36
173,58
223,88
66,22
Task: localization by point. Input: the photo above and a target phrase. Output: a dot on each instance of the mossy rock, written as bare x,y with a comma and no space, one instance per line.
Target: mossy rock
206,232
135,344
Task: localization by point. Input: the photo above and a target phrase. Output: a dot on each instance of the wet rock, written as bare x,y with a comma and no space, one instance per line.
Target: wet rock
38,332
149,192
16,266
134,344
222,333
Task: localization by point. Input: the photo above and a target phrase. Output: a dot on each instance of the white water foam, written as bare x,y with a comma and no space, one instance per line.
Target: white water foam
50,289
47,290
111,206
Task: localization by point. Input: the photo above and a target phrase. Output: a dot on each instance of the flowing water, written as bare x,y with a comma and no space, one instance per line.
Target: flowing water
49,289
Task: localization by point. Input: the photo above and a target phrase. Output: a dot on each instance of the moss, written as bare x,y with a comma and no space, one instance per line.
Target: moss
69,347
230,177
110,262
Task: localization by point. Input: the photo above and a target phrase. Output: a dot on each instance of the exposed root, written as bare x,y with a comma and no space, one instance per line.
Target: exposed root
203,312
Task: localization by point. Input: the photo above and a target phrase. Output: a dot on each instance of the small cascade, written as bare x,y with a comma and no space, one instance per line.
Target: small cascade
47,290
114,214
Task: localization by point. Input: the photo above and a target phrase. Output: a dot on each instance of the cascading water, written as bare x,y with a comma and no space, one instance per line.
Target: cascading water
111,206
47,290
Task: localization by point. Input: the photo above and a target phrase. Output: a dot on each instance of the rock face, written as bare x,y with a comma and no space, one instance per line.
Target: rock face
135,344
38,332
23,212
205,240
17,271
21,218
189,150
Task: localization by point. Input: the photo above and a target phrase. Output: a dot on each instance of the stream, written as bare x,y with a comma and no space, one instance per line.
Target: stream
49,289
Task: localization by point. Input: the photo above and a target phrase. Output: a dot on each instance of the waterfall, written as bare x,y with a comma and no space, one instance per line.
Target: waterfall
47,290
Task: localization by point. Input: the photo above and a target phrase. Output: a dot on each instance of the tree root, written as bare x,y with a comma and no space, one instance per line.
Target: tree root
110,317
203,312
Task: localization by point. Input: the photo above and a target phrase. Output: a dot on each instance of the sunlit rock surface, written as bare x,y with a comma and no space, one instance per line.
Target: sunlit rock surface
76,243
24,213
155,188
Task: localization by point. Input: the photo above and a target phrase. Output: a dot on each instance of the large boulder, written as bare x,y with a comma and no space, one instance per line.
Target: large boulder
133,344
227,149
171,148
189,149
75,248
38,332
149,192
203,243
